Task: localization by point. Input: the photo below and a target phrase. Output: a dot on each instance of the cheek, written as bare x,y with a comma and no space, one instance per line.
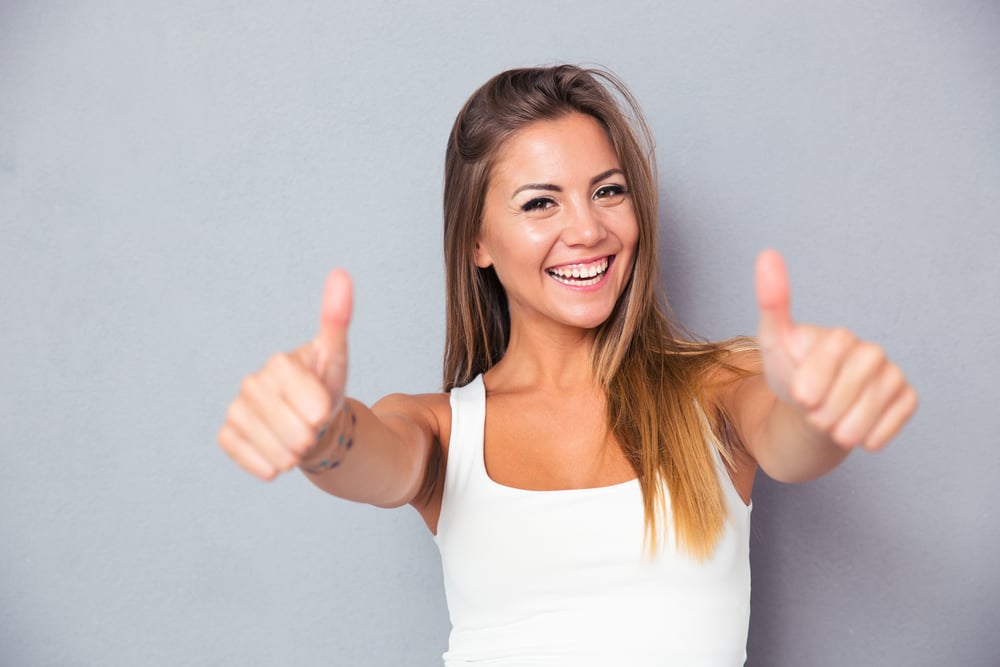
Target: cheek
630,241
525,244
630,236
634,229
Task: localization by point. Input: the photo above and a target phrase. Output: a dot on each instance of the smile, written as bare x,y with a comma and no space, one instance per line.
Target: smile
581,275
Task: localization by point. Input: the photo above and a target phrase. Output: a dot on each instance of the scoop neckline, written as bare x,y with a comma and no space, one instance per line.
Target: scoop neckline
518,490
587,489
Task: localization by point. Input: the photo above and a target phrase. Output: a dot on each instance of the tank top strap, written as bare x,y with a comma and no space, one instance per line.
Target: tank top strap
465,447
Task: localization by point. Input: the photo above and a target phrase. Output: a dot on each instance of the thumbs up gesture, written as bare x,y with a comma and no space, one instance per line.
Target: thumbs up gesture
275,421
846,387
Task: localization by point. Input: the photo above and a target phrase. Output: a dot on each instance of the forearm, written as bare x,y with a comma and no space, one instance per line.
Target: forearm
790,449
367,457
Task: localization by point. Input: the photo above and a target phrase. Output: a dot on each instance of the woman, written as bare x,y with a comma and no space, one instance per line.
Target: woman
587,475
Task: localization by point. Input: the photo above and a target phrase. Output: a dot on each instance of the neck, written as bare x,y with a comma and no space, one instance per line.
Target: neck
552,358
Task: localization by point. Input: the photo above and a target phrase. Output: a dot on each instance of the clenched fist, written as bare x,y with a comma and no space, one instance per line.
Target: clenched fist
274,423
847,387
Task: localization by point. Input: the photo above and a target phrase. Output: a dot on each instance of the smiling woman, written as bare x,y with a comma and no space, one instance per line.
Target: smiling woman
558,226
587,471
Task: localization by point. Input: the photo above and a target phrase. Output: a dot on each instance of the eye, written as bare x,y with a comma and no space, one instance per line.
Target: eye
611,193
538,204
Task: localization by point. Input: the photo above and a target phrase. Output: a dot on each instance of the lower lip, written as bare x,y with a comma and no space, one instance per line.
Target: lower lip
587,288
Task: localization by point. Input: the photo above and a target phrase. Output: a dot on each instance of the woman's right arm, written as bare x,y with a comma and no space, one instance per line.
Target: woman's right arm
294,413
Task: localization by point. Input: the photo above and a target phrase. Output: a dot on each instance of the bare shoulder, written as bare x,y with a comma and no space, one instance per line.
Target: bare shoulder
431,413
413,405
726,383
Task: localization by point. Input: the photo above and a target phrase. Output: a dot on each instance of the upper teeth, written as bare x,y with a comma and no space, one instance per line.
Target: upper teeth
581,270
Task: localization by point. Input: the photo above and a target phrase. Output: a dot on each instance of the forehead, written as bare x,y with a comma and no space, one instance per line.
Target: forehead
552,151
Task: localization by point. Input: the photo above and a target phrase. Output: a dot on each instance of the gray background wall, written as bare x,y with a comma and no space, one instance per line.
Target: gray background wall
176,178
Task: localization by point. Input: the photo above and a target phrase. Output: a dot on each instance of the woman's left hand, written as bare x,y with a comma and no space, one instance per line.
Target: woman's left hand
846,387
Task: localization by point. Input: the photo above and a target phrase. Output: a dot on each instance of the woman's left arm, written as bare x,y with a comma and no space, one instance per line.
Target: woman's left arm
823,391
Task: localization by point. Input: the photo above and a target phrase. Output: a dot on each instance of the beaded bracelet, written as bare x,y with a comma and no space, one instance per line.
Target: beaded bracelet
345,439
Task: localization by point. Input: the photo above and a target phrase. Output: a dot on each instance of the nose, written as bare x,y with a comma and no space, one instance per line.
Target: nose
584,227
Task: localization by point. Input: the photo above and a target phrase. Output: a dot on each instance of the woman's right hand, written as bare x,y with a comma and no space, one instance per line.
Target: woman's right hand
274,423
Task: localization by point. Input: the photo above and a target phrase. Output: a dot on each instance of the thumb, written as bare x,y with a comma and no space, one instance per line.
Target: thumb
331,341
776,329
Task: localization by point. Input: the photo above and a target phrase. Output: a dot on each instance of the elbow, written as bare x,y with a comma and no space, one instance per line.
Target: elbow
422,476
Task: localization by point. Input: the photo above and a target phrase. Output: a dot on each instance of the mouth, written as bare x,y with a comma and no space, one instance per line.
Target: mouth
582,274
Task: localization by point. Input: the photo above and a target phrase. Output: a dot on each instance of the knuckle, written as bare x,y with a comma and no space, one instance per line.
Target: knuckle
224,438
323,405
842,336
844,437
302,441
801,390
326,403
277,364
840,432
895,377
877,444
250,386
873,351
819,421
873,445
236,447
225,434
274,456
289,461
234,413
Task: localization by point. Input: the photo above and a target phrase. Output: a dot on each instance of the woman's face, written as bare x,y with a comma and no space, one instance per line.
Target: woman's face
558,224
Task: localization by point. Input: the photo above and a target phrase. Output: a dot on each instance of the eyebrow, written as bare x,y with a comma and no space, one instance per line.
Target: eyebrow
549,187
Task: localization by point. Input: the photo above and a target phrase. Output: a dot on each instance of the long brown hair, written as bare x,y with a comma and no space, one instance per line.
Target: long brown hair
653,374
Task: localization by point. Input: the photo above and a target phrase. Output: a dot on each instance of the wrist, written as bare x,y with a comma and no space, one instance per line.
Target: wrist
332,443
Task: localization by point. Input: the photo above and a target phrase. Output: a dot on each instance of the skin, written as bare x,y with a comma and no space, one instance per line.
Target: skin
555,199
545,426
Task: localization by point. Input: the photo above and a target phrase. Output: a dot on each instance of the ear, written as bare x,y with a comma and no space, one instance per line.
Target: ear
482,255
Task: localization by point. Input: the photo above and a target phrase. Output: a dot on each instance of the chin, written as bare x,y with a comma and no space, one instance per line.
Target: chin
590,321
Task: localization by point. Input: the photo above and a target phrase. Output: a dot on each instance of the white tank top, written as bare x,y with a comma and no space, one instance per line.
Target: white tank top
563,578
